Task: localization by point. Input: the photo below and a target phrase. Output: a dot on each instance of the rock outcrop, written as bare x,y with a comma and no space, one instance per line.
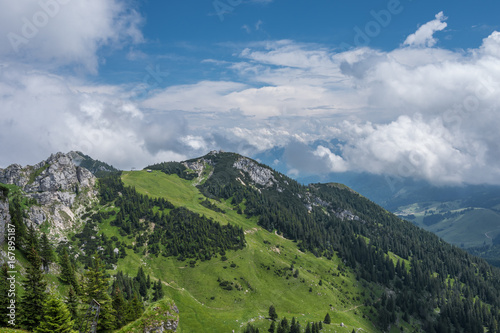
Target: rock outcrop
60,188
259,175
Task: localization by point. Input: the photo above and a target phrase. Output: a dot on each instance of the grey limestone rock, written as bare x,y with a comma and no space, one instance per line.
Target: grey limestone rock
259,175
60,188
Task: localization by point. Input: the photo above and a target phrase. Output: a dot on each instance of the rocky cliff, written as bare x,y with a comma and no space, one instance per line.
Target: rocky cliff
259,175
61,189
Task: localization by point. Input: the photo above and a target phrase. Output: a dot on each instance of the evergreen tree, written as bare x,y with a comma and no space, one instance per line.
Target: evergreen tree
72,304
136,308
4,295
284,327
272,328
95,287
295,326
272,313
158,291
327,319
250,329
120,307
33,300
67,274
46,252
56,317
308,328
16,218
141,278
31,242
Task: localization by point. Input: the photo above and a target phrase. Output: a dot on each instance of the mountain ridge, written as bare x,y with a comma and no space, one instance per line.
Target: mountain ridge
230,236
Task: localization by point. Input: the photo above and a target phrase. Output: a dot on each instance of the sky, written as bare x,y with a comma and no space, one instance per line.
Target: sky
406,88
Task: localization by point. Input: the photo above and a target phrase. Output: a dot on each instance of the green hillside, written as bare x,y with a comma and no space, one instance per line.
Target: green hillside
214,243
260,274
468,227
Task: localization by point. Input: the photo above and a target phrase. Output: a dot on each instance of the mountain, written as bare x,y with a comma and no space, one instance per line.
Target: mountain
54,192
227,238
96,167
465,215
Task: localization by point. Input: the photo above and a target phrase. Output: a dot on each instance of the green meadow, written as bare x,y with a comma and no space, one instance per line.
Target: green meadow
225,293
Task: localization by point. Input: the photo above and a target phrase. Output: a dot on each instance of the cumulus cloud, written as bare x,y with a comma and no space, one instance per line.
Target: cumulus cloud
54,113
424,36
57,32
335,163
420,111
432,113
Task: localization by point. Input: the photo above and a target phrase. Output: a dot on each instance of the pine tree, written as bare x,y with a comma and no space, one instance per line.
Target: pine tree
272,313
16,218
46,252
72,304
67,275
31,241
295,326
34,296
272,328
308,328
327,319
158,291
136,308
141,278
95,287
285,327
56,317
120,307
4,295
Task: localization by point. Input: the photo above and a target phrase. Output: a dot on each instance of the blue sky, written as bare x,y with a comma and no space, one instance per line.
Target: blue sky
179,35
401,88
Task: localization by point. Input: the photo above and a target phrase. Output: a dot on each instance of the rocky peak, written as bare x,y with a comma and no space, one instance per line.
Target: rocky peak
14,174
58,173
57,184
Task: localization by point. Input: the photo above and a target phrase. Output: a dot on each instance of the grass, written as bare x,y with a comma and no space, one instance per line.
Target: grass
470,228
37,173
262,270
162,310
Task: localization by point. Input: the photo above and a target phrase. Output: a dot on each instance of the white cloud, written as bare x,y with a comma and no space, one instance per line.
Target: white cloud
420,112
57,32
334,163
424,36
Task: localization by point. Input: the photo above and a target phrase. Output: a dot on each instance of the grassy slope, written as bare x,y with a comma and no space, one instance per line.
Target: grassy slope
472,228
193,288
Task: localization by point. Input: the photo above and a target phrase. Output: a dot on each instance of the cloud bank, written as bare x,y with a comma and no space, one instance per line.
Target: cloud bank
417,111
